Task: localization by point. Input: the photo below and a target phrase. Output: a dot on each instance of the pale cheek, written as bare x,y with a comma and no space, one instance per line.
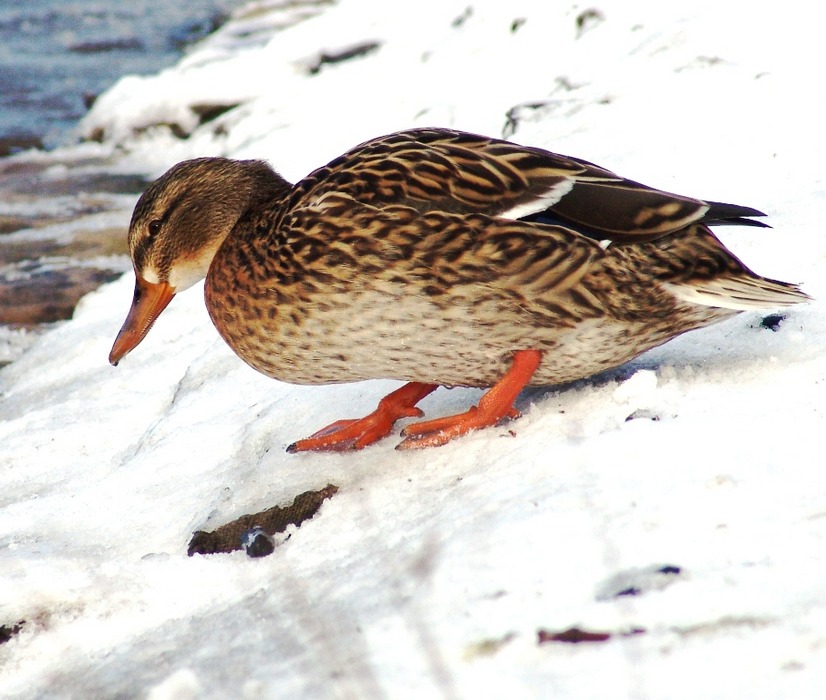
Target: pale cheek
148,273
186,273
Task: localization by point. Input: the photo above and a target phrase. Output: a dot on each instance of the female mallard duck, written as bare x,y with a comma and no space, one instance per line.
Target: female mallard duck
439,258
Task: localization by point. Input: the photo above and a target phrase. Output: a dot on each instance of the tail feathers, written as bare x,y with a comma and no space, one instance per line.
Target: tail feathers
722,214
735,221
739,293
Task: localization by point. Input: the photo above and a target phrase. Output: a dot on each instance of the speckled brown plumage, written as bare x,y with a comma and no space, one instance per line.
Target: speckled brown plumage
434,256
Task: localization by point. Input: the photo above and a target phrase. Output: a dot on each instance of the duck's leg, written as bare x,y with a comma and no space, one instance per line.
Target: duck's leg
355,433
495,405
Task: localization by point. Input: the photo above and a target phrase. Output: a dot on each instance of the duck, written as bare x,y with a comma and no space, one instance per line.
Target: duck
436,257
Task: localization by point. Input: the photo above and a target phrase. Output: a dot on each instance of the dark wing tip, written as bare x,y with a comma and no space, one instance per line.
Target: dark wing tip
722,214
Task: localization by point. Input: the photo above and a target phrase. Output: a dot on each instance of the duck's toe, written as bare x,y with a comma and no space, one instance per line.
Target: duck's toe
494,406
354,434
432,433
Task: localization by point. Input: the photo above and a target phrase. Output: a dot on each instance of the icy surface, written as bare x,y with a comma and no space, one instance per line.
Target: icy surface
429,574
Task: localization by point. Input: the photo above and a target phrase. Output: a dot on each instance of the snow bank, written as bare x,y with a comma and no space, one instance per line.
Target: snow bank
680,497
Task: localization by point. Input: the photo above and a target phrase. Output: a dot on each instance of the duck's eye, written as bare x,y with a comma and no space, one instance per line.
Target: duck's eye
155,227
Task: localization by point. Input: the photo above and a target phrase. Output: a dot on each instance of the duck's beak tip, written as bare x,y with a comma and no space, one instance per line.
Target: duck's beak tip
113,359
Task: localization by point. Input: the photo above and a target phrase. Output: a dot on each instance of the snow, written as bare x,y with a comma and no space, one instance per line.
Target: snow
430,573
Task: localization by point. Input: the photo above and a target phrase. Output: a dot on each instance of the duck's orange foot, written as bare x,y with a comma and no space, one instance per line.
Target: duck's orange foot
355,433
494,406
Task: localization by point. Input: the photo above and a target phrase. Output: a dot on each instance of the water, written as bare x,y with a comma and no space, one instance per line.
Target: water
57,56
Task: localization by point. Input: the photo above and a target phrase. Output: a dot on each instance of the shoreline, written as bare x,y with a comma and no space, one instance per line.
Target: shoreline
62,235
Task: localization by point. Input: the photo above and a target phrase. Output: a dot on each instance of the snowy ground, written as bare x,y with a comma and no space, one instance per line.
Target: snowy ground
430,574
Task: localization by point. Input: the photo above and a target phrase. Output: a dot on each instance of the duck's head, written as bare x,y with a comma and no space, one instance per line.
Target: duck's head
177,227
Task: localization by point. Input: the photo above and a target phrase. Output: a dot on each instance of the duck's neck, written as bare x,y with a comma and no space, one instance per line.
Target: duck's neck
262,193
265,185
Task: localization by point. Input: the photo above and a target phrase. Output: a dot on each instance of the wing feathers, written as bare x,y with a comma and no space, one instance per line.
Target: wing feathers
536,218
451,171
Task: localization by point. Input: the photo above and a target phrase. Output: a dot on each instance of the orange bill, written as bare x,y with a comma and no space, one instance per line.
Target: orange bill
148,303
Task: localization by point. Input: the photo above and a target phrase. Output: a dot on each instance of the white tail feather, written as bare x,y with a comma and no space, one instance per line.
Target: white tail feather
738,293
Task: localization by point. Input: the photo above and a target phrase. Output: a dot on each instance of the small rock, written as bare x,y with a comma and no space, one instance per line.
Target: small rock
772,321
587,20
257,543
632,582
643,413
575,635
9,631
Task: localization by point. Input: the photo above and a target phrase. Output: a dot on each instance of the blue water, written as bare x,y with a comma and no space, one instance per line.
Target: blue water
56,56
